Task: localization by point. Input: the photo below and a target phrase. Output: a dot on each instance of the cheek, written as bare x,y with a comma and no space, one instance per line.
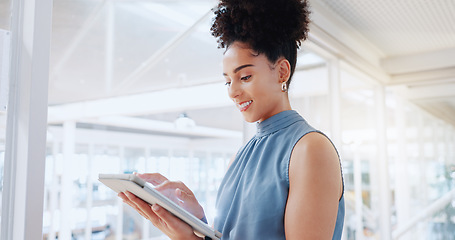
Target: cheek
268,90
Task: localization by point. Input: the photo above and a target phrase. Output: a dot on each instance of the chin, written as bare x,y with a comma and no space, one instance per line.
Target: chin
250,119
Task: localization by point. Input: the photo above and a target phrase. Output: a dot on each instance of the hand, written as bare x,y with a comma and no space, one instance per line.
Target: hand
160,217
154,178
178,192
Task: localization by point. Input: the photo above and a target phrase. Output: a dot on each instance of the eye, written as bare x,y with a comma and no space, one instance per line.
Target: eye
227,84
245,78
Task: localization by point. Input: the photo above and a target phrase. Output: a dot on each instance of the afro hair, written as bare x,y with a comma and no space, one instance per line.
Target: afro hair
273,27
260,22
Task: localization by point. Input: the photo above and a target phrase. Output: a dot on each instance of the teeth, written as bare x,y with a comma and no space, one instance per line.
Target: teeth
245,104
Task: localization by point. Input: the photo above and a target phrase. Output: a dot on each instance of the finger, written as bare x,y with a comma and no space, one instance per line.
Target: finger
153,178
129,197
133,200
174,185
184,199
166,218
182,195
144,208
122,196
173,225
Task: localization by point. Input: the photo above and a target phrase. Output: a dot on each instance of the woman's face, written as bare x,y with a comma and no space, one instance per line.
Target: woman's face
254,83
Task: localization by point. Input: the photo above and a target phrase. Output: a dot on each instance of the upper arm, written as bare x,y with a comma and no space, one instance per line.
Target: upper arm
315,187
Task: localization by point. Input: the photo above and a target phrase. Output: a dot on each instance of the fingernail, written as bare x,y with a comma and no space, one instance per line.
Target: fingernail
155,207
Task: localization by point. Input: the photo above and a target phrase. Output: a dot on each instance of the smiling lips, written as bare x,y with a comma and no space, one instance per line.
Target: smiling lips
244,106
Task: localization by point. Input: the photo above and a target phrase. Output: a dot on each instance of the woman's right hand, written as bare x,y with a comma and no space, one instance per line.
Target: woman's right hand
160,217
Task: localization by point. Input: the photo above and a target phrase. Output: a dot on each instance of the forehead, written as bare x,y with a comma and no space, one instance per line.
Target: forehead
238,51
239,54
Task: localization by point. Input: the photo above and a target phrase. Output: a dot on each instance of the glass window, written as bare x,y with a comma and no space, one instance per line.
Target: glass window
103,50
358,150
309,90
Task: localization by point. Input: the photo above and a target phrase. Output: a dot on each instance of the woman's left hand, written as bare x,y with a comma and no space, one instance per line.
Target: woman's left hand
160,217
170,225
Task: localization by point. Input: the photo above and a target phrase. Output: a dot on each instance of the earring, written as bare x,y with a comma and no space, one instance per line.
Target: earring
284,87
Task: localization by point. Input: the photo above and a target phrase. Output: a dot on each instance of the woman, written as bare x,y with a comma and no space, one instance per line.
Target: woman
286,182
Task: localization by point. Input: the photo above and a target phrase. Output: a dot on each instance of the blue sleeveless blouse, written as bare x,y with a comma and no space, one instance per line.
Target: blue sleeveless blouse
252,197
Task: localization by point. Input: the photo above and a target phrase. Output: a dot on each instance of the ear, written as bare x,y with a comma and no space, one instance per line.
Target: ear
284,70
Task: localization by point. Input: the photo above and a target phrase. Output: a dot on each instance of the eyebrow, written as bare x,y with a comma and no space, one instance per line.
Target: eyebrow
240,68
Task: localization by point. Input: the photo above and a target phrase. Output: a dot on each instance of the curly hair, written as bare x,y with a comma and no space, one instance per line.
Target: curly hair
272,27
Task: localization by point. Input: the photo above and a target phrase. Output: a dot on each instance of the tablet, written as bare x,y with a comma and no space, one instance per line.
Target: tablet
146,191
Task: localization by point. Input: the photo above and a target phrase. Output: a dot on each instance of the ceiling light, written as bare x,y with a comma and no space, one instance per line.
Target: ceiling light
184,122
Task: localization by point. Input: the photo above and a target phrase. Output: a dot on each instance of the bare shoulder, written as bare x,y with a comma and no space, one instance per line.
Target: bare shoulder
314,156
315,143
315,187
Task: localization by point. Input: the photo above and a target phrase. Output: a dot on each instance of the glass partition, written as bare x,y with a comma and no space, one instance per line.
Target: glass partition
104,51
309,90
423,176
97,212
358,150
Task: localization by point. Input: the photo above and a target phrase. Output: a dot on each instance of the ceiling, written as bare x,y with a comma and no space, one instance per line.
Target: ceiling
400,28
156,58
414,42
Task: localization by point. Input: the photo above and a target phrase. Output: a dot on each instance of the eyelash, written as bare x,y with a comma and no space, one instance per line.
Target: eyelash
245,78
242,78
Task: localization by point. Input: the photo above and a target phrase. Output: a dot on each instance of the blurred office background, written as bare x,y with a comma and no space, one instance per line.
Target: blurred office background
137,86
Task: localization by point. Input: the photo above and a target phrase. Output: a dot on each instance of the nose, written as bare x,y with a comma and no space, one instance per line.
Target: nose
234,90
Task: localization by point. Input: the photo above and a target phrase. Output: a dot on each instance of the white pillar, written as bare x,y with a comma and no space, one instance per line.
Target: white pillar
421,128
23,182
119,230
66,190
447,142
88,224
383,166
53,191
422,139
334,85
402,195
145,222
450,147
335,101
358,195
